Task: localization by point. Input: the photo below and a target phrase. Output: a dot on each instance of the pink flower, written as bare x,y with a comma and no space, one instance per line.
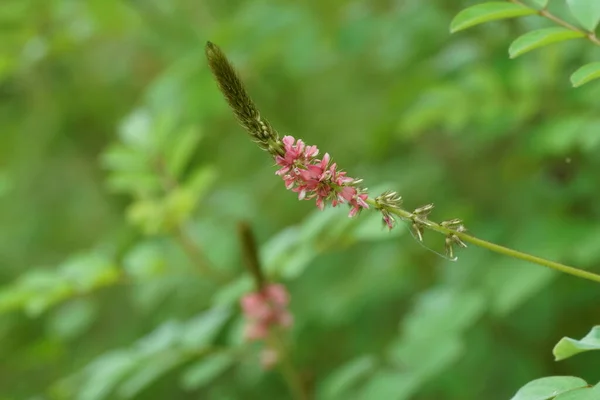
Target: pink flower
266,309
313,178
388,220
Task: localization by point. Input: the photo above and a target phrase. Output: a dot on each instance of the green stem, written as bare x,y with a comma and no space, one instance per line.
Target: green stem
289,372
591,36
406,215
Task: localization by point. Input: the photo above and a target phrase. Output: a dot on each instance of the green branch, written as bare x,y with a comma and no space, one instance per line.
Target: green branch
427,224
591,36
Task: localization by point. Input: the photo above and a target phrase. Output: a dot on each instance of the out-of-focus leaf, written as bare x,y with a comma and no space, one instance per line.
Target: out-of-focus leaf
200,181
146,260
387,384
136,131
230,294
587,12
549,387
201,330
206,370
275,252
297,261
72,319
540,3
339,383
585,74
138,183
38,290
568,347
181,149
120,158
512,284
105,373
148,372
539,38
486,12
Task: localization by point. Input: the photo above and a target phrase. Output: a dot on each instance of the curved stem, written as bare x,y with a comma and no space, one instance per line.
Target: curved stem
406,215
591,36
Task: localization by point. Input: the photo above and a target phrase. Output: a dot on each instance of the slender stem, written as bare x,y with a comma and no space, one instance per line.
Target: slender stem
193,251
289,372
591,36
406,215
189,246
250,251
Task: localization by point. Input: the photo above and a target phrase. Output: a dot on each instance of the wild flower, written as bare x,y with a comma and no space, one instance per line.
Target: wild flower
266,309
311,177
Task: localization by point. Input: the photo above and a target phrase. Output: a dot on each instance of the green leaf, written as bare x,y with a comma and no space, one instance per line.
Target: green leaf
568,347
548,387
585,74
343,379
587,12
181,150
206,370
201,330
486,12
148,373
581,394
541,37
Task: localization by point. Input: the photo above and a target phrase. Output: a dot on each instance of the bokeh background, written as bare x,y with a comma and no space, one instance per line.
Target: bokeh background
123,178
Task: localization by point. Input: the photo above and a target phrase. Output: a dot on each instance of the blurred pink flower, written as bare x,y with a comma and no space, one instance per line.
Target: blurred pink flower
266,309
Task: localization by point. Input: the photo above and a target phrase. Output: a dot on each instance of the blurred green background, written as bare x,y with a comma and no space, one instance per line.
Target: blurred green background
123,176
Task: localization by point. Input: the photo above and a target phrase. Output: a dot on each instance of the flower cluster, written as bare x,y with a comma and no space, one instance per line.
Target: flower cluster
311,177
265,310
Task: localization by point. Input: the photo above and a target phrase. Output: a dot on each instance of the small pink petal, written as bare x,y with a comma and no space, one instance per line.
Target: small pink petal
288,141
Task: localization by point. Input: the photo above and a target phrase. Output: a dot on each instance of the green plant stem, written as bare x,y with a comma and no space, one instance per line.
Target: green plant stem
406,215
289,372
591,36
192,249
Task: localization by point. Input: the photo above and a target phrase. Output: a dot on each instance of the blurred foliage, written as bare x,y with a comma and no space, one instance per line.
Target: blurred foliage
123,177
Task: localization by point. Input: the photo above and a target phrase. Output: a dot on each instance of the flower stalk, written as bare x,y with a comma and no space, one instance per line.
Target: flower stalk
320,179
